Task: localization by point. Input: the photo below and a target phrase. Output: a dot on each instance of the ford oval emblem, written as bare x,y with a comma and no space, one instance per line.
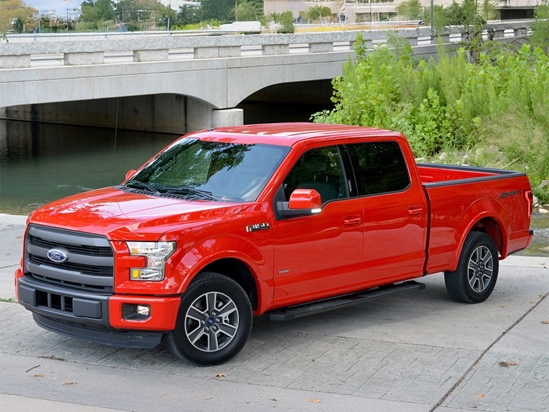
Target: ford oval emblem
57,255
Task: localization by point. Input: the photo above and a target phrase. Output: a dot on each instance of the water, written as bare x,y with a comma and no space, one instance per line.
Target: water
540,244
41,162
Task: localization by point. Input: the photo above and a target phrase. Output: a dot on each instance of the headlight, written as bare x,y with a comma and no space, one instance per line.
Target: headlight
156,253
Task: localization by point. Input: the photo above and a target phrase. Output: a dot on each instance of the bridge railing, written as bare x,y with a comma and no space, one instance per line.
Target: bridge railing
149,48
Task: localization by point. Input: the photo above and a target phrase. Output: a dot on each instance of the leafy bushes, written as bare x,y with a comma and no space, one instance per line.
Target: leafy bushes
491,113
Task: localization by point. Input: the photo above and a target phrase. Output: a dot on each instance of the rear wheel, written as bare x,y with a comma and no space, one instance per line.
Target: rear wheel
475,277
214,321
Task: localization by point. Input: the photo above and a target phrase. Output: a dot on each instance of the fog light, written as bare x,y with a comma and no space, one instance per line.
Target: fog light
134,312
144,310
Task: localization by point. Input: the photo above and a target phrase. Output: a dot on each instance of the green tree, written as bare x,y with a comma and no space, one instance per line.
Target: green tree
439,16
494,110
247,11
188,15
166,16
316,13
285,21
412,9
17,25
454,14
11,10
540,28
488,10
98,10
222,10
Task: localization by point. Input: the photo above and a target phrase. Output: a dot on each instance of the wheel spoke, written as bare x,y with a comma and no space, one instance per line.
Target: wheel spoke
481,284
195,334
226,310
213,343
211,299
227,329
195,314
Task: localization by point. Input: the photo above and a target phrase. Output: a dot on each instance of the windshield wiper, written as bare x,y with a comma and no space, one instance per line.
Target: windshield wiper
192,191
141,185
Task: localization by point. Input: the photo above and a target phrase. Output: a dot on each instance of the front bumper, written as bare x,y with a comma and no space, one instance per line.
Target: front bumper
98,318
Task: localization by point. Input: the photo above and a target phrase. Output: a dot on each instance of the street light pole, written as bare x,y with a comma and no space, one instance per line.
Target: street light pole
432,17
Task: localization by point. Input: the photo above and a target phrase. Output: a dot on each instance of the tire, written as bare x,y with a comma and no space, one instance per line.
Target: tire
213,323
477,272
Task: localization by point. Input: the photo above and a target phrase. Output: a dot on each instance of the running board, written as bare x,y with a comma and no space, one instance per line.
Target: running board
319,306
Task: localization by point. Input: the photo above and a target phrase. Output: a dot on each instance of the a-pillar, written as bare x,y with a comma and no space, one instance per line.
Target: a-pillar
227,117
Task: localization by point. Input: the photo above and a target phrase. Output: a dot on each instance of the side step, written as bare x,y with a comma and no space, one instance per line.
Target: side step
319,306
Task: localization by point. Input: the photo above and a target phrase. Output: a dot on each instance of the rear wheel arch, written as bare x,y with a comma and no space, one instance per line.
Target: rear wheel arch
492,228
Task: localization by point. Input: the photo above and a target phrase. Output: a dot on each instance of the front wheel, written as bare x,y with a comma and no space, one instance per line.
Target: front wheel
477,272
214,321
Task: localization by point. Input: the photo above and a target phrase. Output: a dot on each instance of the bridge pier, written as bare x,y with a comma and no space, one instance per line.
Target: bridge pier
227,117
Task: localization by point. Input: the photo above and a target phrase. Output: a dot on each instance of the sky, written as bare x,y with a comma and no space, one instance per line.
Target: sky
61,6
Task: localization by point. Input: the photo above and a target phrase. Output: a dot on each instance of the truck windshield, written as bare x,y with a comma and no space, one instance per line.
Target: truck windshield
207,170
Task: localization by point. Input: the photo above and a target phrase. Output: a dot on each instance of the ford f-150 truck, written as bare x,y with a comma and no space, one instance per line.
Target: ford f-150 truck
285,219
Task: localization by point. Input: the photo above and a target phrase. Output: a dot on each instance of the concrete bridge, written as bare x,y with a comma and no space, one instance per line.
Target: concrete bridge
172,82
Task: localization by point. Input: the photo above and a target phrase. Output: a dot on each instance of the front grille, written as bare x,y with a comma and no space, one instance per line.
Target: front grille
85,269
89,265
82,249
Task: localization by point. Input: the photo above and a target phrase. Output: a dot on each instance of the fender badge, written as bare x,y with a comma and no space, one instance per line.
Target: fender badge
257,226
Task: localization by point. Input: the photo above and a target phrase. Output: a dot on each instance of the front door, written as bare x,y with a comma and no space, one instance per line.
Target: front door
319,255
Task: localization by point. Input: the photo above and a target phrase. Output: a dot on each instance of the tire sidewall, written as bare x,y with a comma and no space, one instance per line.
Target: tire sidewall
211,282
481,239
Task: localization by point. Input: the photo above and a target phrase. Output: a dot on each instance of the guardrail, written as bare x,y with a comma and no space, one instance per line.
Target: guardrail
156,46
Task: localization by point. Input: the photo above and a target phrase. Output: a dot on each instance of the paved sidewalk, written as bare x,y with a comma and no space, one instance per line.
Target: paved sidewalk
417,351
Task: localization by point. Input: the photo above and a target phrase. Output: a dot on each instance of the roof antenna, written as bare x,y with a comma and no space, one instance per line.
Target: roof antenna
115,135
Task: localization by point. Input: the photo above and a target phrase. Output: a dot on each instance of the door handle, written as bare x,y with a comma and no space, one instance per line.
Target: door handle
352,220
415,210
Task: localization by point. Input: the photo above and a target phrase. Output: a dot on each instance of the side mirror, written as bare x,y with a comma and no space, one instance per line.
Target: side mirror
129,175
302,202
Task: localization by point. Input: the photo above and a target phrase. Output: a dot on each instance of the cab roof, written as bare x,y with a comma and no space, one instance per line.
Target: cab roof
289,134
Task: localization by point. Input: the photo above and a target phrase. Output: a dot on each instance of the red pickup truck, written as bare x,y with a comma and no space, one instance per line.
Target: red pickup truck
284,219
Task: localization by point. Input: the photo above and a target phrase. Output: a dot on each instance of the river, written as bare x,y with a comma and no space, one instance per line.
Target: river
42,162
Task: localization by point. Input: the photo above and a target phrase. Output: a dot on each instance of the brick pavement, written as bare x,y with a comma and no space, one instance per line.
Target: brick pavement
417,351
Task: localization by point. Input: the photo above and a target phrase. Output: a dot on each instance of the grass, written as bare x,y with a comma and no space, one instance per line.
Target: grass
492,112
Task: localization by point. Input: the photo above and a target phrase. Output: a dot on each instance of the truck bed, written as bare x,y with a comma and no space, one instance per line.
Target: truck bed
438,173
461,196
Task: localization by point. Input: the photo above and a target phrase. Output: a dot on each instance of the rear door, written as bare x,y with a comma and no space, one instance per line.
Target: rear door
395,213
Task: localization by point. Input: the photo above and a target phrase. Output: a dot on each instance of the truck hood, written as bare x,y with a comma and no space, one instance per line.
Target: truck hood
121,215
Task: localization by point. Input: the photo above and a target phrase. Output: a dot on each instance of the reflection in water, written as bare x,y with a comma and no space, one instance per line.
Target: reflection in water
42,162
540,244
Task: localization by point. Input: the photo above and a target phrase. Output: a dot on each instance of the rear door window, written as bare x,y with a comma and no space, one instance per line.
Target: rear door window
380,167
